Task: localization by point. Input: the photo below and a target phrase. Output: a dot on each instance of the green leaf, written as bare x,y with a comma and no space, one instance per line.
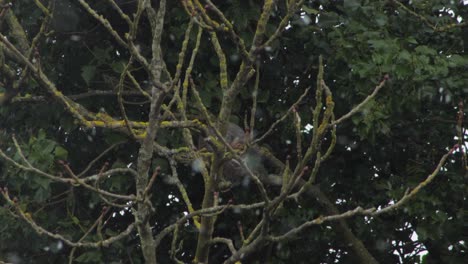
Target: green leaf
310,11
112,137
404,55
118,66
87,73
423,49
75,220
41,195
381,20
45,147
351,5
403,71
102,55
457,61
206,97
263,96
412,40
327,20
42,182
41,134
89,257
60,153
379,44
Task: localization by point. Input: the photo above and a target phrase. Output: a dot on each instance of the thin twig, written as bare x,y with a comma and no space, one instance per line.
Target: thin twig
226,241
362,104
42,231
282,118
407,196
91,164
72,252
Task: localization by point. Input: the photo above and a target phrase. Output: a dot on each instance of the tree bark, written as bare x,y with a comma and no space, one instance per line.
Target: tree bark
206,226
358,248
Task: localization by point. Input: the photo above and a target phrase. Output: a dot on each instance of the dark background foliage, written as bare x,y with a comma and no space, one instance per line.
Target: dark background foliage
391,146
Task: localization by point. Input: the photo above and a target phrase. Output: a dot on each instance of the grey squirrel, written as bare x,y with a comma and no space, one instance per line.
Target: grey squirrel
234,174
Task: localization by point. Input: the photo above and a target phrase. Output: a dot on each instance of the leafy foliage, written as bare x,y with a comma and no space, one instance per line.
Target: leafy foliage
388,147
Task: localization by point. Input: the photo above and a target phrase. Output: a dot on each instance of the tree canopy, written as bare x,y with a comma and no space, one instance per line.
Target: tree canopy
308,131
